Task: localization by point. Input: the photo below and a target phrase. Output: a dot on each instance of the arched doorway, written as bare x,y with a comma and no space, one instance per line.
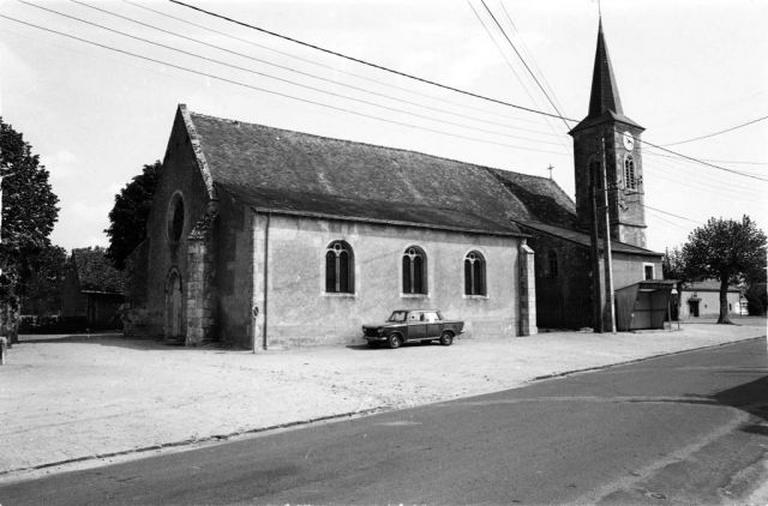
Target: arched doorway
173,306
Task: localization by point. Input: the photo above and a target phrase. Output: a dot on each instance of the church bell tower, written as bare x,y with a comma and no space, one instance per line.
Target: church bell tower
608,137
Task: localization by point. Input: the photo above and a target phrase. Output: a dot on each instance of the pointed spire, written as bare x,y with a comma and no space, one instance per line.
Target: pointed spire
605,93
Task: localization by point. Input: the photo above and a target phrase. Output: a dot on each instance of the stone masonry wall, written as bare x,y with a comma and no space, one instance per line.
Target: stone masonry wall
563,293
299,312
233,239
180,175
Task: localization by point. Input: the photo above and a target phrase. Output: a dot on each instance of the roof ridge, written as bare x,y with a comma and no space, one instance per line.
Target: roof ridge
358,143
546,178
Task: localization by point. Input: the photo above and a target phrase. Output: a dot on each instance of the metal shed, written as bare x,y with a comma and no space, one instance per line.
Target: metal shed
644,305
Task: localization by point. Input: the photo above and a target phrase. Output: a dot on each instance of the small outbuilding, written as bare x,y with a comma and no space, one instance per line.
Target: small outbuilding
92,292
644,305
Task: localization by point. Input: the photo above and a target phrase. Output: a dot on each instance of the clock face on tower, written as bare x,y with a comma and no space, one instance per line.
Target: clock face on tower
629,141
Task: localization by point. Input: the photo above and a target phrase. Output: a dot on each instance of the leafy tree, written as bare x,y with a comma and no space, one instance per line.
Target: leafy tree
95,272
727,250
757,297
28,214
672,265
42,275
128,217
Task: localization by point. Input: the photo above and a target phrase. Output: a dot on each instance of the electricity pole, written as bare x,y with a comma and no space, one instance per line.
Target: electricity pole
607,245
594,239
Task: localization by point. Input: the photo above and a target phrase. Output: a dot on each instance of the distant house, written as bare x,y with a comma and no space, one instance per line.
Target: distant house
702,298
92,291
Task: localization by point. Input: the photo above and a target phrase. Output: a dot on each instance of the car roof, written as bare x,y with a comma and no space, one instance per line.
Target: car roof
415,310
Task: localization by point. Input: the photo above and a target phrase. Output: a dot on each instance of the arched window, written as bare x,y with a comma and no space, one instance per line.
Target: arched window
474,274
175,218
339,268
629,173
414,270
553,270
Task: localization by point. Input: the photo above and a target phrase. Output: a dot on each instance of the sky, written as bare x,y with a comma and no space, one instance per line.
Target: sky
684,69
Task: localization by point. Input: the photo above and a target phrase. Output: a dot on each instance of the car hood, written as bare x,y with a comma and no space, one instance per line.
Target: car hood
383,325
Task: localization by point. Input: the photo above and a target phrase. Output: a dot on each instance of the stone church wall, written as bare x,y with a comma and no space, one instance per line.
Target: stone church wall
563,280
234,271
180,175
563,295
299,312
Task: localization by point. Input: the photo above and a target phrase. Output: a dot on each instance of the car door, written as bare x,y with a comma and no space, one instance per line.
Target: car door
417,326
434,324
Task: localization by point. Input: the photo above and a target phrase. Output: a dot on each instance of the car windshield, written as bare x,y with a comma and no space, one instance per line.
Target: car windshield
398,316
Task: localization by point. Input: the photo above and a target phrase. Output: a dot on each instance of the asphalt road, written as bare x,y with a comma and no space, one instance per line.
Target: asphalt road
690,428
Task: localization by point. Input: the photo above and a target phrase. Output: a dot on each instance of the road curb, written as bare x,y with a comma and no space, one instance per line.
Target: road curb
636,360
335,417
193,441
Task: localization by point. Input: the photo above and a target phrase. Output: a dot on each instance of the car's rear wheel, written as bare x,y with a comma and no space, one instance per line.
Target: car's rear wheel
446,338
395,341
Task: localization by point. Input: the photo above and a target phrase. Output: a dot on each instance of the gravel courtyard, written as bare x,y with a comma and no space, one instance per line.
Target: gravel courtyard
65,398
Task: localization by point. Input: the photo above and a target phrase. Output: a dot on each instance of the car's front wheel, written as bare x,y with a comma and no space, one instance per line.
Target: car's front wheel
395,341
446,338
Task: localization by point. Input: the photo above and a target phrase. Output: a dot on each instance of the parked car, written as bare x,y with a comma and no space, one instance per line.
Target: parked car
405,325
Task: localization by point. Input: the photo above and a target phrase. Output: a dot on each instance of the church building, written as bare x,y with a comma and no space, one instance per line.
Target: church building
260,237
570,268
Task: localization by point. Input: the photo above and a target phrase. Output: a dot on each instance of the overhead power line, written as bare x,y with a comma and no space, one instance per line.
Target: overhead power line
672,214
271,92
525,64
340,70
269,76
285,95
702,162
505,58
525,50
369,64
670,222
698,184
719,132
498,47
296,71
393,121
434,83
738,162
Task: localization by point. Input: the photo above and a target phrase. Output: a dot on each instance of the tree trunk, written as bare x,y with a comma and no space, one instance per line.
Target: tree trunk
723,318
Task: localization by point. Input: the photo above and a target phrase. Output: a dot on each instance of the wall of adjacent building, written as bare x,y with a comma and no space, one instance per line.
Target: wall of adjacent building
289,257
629,269
709,303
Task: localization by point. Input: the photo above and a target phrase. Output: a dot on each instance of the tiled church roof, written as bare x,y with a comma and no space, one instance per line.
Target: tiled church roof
583,238
292,172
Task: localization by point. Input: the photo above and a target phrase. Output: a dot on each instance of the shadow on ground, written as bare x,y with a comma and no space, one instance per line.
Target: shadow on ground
101,339
385,347
751,397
